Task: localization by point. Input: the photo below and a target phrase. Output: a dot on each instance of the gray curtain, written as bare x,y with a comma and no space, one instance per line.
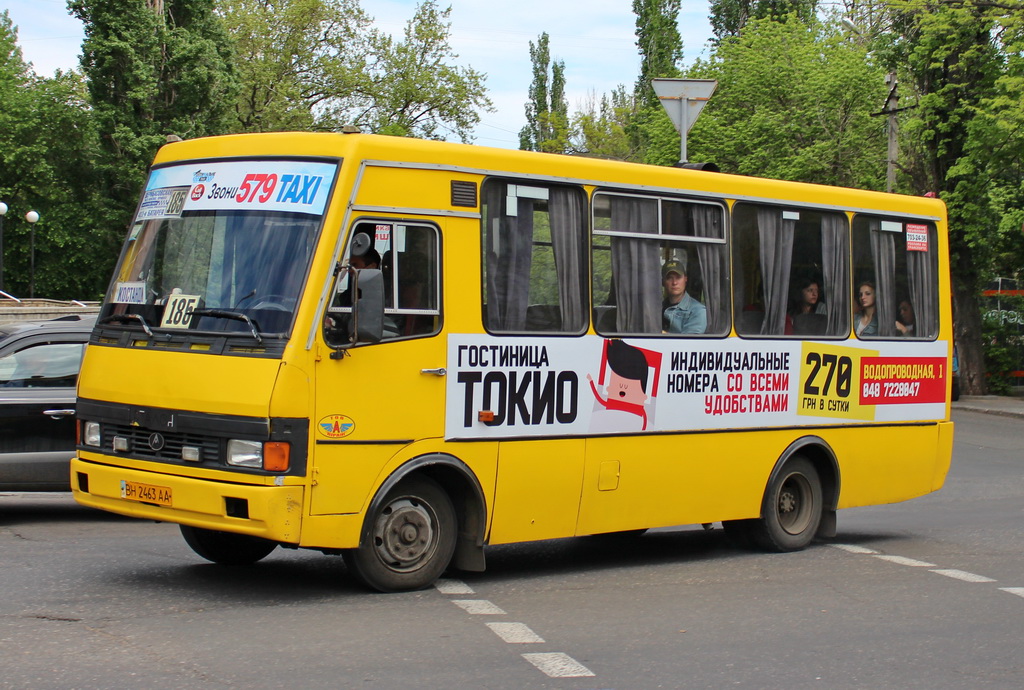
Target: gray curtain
568,239
836,272
707,222
636,266
776,235
509,244
883,250
924,283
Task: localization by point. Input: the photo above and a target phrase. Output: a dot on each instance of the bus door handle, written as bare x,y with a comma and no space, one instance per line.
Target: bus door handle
440,371
57,414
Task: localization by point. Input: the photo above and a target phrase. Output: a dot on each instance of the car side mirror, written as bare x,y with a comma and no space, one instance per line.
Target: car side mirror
367,324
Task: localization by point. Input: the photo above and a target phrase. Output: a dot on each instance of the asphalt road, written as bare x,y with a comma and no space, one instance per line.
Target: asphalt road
923,594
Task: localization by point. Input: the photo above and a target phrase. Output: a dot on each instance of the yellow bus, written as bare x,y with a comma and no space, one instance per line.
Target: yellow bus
403,351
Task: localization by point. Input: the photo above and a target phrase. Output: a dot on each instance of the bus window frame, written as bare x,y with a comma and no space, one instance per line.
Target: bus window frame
341,263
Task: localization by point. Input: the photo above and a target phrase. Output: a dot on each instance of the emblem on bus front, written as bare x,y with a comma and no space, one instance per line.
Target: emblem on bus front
336,426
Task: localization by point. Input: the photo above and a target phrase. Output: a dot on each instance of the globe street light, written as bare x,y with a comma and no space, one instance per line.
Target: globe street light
3,212
32,217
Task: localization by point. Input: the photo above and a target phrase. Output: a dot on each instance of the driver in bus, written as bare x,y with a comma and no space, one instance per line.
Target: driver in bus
680,312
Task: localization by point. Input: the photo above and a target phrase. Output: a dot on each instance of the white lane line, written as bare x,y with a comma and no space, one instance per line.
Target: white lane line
515,633
453,587
478,607
1019,591
558,665
900,560
963,575
851,548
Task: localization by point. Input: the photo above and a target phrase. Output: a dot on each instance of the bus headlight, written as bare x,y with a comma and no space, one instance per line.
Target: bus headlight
91,434
245,453
273,456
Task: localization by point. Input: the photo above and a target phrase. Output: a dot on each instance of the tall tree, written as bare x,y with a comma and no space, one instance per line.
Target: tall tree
547,111
794,102
960,141
154,68
295,55
661,46
47,144
414,88
599,127
728,17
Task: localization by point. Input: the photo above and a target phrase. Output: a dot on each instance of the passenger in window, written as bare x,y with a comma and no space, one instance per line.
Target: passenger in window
905,320
867,323
807,298
680,312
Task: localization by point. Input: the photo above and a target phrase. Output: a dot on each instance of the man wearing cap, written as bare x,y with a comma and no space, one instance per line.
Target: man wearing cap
681,313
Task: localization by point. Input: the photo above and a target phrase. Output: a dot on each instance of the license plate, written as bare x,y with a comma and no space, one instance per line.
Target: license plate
146,493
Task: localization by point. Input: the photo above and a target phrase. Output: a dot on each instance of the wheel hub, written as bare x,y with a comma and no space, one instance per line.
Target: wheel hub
404,534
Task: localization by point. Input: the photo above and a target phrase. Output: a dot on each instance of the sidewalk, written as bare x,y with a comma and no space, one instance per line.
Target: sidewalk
991,404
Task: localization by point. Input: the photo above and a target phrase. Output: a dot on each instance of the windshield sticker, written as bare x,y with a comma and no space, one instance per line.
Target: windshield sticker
130,293
289,186
178,310
166,202
336,426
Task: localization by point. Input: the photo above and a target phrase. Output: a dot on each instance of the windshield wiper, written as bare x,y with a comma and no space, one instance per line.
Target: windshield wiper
237,316
125,318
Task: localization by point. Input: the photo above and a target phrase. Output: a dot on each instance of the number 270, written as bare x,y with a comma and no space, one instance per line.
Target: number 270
836,367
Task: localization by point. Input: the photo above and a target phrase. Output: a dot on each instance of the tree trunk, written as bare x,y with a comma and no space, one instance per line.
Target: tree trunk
967,327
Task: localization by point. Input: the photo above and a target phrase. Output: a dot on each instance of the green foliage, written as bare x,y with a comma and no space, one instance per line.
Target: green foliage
547,111
1003,338
661,46
293,55
729,17
599,129
793,102
154,68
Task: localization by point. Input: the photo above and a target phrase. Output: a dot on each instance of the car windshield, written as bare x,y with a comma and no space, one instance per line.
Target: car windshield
222,249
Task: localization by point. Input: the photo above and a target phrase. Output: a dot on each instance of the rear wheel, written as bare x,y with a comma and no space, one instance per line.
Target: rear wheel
411,541
790,510
226,548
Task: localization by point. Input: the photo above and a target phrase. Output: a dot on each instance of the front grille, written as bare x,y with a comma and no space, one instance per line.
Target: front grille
211,450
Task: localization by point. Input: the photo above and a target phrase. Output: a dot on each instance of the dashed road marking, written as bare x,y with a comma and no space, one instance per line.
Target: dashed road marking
852,548
558,665
900,560
1019,591
515,633
453,587
962,575
478,607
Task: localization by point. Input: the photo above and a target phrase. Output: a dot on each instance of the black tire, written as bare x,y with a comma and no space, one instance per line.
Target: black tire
411,541
791,509
226,548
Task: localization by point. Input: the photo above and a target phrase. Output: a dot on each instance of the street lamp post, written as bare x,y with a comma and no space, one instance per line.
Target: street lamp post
3,212
32,217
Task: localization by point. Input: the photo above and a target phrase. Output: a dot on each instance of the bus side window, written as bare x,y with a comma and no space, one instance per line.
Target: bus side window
660,266
899,258
408,256
534,258
791,275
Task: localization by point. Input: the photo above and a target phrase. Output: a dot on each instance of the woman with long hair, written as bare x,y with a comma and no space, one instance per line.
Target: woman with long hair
867,323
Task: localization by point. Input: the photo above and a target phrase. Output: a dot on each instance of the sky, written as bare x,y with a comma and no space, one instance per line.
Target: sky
597,45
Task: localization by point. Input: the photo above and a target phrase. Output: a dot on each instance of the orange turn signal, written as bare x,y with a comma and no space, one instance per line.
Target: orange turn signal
276,456
485,416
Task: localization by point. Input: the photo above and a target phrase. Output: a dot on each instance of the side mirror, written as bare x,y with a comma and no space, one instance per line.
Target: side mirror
367,324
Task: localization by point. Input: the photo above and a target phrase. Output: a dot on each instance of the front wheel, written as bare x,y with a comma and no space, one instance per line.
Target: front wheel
226,548
411,540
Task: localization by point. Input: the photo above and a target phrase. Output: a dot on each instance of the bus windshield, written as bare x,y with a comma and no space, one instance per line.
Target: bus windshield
224,249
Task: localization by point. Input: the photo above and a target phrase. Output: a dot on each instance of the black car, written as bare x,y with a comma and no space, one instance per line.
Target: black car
39,362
